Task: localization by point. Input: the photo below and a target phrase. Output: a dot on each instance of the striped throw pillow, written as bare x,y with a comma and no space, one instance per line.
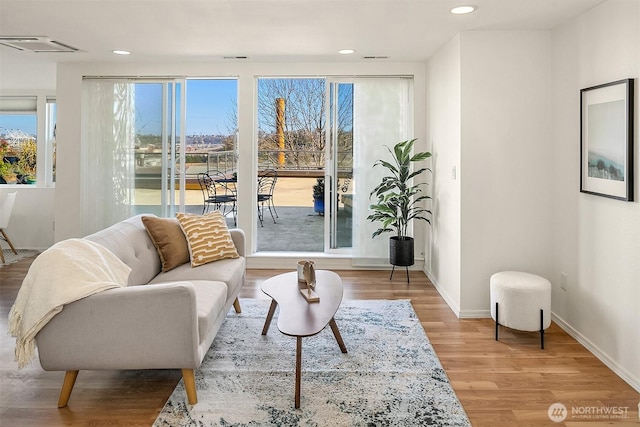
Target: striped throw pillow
208,237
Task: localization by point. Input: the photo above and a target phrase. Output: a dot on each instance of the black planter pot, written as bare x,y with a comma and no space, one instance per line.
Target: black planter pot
401,253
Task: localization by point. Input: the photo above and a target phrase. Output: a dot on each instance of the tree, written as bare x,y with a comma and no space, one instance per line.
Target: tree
27,160
304,123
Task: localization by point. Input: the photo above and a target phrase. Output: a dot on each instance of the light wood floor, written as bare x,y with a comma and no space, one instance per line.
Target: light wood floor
506,383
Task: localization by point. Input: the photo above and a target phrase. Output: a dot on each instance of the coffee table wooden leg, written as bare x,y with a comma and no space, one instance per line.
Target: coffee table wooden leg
267,322
298,369
336,333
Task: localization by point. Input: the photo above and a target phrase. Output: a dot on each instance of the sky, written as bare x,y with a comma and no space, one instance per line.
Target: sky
24,122
209,102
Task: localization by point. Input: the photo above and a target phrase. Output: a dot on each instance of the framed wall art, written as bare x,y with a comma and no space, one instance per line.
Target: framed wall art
606,140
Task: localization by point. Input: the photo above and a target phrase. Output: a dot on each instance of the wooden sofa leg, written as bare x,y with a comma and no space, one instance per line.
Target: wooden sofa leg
67,386
236,306
189,379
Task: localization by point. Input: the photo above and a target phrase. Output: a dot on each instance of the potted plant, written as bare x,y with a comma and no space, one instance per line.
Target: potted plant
318,196
398,202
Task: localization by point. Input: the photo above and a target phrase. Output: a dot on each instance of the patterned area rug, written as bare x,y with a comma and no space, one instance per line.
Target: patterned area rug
390,376
10,257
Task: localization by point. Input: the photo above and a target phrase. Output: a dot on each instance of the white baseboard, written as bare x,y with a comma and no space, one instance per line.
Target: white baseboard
443,293
288,260
475,314
627,376
461,314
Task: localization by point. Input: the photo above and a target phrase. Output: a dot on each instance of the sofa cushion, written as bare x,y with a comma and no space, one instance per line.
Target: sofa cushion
210,299
129,241
169,240
229,271
207,236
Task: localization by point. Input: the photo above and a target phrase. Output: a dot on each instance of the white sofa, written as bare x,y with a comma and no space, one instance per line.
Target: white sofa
160,320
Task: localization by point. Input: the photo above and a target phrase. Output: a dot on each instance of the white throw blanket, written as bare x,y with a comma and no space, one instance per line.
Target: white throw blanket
66,272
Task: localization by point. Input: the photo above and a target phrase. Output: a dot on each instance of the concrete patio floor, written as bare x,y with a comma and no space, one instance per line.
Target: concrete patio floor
298,227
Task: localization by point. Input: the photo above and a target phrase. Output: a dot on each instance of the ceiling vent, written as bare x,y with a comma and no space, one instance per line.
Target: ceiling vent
375,57
37,44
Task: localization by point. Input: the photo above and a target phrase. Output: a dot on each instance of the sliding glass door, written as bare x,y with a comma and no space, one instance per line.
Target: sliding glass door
321,137
159,148
366,115
339,167
132,149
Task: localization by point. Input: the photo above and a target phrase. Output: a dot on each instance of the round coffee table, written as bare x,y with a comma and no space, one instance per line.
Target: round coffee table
299,318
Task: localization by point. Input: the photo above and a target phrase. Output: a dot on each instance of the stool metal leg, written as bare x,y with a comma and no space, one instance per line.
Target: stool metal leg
542,329
496,321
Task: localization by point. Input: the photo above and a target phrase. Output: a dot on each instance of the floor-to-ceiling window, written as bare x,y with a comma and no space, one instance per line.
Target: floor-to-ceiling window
131,134
382,116
138,157
291,142
319,136
158,134
322,136
211,136
339,177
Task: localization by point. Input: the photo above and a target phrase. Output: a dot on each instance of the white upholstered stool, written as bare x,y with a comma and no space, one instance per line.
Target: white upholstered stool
521,301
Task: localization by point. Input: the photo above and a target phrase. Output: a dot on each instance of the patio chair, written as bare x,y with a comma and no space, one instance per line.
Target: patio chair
218,191
5,216
266,184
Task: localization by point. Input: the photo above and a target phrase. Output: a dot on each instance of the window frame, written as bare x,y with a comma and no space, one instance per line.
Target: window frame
44,153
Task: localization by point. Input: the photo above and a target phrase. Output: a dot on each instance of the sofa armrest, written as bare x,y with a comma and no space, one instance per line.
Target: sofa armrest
237,235
136,327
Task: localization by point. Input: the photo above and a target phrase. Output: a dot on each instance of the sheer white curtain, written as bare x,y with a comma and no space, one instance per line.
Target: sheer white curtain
107,174
382,116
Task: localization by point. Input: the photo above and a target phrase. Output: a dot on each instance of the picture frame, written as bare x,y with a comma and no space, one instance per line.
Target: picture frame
606,140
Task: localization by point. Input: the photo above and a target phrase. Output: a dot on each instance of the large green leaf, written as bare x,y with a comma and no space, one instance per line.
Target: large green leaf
398,202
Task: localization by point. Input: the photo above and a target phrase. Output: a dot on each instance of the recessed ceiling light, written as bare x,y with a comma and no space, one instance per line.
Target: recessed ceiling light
463,10
121,52
346,51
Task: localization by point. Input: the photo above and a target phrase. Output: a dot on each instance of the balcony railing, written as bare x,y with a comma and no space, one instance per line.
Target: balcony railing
286,162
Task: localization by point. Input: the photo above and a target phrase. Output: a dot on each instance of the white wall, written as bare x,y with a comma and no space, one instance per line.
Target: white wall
488,117
25,71
31,225
442,263
595,241
505,159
